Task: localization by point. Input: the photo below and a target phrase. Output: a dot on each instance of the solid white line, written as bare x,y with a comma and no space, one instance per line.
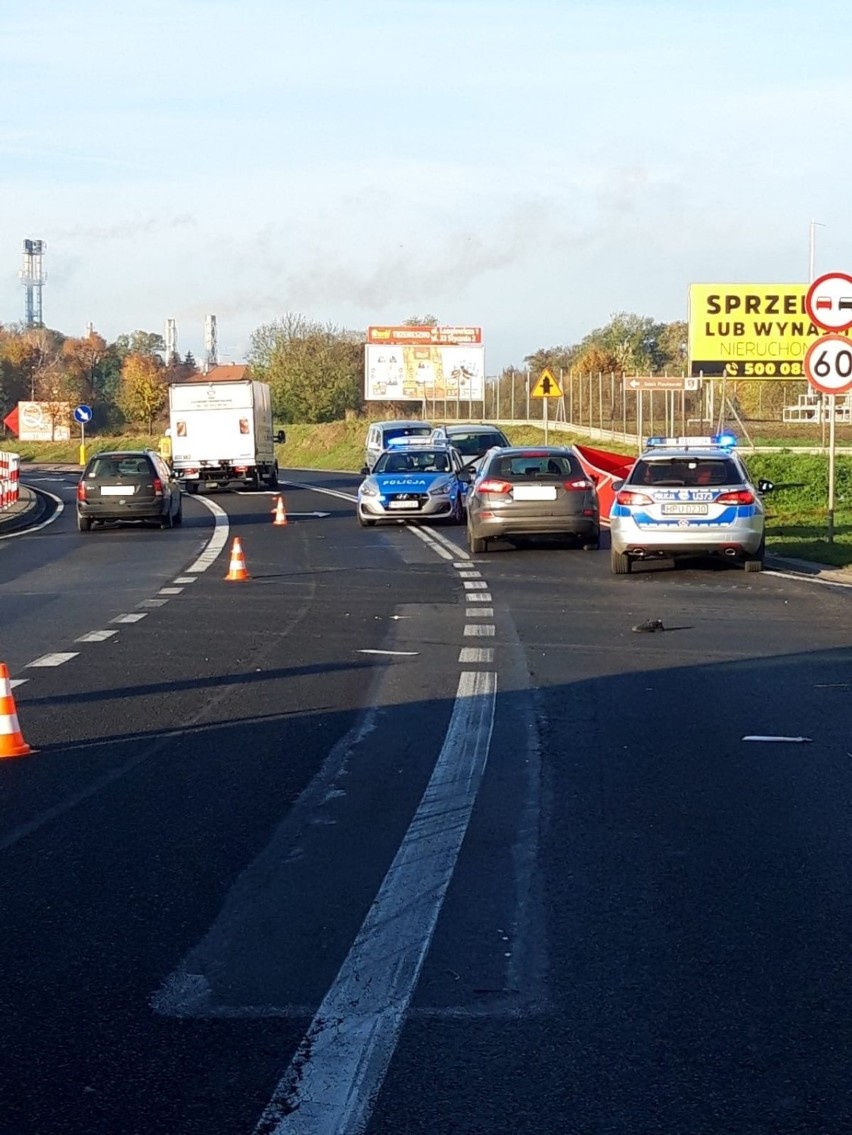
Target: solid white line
806,578
476,654
428,538
479,613
447,542
405,653
60,508
481,630
129,618
96,636
217,541
331,1085
54,659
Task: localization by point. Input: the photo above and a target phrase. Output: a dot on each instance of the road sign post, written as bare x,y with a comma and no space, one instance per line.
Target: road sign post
546,387
82,414
828,368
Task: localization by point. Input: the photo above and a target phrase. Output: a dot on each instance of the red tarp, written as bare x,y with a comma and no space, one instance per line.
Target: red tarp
604,468
11,421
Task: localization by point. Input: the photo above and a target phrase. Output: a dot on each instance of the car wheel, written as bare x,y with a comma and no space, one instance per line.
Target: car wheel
755,562
192,487
477,544
84,523
621,563
458,512
362,520
272,480
591,543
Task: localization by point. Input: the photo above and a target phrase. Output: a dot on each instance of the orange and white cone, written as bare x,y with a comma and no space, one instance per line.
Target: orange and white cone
280,512
12,743
237,566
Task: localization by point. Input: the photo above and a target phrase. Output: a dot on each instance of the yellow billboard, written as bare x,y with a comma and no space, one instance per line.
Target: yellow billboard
749,330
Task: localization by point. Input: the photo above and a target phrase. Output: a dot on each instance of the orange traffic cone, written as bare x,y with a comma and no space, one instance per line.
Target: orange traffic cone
12,743
237,567
280,512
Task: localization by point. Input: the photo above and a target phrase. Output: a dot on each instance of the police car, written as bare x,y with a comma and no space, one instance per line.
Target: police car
688,496
415,479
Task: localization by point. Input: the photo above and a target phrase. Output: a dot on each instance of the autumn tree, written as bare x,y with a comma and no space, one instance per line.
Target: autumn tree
143,392
315,371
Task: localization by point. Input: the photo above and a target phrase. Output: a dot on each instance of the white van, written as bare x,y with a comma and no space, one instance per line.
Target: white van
380,433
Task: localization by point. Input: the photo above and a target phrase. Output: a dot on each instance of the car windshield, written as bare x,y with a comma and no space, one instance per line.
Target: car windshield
534,466
406,431
421,461
105,468
686,472
476,444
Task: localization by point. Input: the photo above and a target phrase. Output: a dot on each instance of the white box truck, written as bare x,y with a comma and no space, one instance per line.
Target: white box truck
221,432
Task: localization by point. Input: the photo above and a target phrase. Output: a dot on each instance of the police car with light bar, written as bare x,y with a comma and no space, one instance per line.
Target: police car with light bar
688,497
415,479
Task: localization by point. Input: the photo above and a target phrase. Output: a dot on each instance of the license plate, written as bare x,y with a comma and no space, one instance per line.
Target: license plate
403,504
116,490
684,508
534,492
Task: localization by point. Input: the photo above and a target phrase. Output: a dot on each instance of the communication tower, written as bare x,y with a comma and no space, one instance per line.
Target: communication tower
32,276
211,343
170,338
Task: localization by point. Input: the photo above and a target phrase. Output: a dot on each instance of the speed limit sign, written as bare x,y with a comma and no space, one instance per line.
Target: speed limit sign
828,364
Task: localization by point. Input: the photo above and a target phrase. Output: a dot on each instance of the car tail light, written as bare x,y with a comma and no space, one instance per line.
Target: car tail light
492,485
158,487
81,490
625,496
736,496
580,485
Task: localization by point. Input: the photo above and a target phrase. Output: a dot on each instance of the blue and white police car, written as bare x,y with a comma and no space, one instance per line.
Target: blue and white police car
415,479
688,496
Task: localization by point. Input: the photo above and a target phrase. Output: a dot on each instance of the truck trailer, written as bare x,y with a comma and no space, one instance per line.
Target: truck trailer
221,433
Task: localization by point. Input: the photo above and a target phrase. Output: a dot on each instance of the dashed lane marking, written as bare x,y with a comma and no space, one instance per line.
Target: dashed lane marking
480,597
96,636
481,630
476,654
479,613
132,618
54,659
471,585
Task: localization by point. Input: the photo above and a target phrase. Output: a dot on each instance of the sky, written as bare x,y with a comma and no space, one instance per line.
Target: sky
531,167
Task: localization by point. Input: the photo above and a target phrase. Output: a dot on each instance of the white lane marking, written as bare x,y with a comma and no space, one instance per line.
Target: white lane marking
54,659
471,586
331,1085
60,508
186,579
152,603
482,597
96,636
483,630
479,613
351,497
135,618
806,578
470,575
428,538
170,591
401,653
462,564
217,541
476,654
457,552
17,682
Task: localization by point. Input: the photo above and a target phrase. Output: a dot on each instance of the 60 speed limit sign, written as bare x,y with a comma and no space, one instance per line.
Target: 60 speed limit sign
828,364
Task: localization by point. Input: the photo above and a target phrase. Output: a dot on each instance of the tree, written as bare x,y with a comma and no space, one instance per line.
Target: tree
139,343
143,393
315,371
420,321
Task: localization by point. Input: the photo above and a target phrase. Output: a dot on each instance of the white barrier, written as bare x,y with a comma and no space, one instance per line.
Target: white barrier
9,484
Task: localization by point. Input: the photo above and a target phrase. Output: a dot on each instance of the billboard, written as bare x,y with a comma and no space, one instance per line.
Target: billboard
749,330
44,421
413,363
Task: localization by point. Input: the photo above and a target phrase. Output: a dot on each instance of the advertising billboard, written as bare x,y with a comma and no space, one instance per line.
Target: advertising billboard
44,421
413,363
749,330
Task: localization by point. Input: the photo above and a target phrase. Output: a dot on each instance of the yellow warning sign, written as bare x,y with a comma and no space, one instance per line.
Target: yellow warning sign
546,386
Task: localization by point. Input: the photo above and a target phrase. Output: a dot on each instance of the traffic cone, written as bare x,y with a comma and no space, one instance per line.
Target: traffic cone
237,567
280,512
12,743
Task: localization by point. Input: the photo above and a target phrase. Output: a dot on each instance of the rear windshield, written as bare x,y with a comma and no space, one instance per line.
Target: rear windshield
523,466
684,472
475,444
105,468
405,431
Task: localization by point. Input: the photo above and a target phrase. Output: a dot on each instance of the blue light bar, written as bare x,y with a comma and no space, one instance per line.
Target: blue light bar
717,441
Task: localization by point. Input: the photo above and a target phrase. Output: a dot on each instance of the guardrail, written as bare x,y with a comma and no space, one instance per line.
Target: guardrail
9,483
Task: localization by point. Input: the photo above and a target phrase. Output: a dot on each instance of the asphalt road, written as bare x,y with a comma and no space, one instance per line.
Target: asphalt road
389,839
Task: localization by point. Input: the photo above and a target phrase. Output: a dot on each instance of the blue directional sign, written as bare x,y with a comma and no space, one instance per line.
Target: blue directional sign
82,414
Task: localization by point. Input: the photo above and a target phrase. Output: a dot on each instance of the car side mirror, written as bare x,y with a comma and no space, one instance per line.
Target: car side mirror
765,486
464,475
365,471
616,485
280,437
